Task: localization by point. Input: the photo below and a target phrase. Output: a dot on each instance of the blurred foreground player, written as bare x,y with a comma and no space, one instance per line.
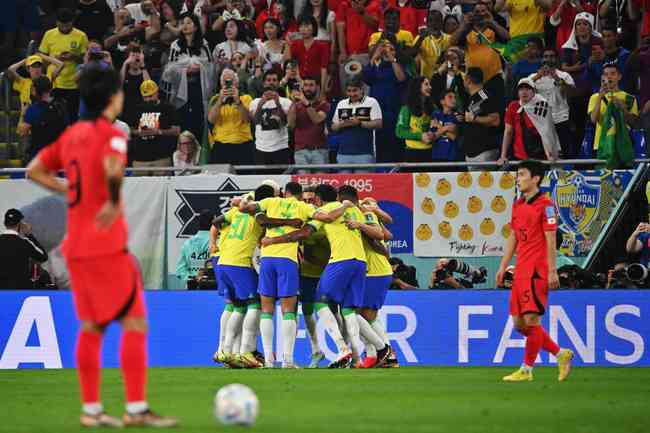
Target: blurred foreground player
533,238
105,278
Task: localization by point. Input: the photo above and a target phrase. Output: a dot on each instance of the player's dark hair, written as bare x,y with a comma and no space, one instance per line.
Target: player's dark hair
294,188
348,192
535,168
327,193
42,85
65,15
96,87
205,219
264,191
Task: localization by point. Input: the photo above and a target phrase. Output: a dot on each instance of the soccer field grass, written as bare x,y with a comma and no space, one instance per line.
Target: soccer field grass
415,399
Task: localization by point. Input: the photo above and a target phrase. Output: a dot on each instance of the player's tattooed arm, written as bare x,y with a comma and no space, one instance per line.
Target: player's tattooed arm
39,173
371,231
295,236
331,216
266,221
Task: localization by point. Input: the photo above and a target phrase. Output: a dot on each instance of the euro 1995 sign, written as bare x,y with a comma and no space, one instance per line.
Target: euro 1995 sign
604,328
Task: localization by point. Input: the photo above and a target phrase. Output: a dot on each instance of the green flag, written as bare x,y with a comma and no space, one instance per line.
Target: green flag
615,144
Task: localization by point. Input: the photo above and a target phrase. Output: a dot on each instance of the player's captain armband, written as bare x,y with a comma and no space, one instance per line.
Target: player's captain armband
118,144
550,215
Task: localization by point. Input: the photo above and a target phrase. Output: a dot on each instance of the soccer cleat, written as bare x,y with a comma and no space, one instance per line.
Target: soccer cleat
564,358
100,420
343,361
289,365
520,375
316,359
383,355
391,363
249,360
219,357
233,360
369,362
259,356
148,419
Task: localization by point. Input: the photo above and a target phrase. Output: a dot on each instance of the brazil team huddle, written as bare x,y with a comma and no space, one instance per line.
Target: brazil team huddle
323,248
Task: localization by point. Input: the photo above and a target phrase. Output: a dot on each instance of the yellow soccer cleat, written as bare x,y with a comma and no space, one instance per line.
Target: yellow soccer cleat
520,375
219,357
249,360
564,359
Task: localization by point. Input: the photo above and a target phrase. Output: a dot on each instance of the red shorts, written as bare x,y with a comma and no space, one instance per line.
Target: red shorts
529,295
107,288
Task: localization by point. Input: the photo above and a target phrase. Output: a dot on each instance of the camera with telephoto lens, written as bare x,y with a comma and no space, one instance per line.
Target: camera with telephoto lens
634,274
471,274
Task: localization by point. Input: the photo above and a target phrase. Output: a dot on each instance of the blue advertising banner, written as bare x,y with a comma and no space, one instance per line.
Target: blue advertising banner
604,328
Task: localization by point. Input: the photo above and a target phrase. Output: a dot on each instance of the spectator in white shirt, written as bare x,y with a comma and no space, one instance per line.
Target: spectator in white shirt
555,85
187,152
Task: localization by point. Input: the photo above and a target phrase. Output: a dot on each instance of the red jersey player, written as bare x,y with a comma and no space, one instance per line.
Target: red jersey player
533,239
106,282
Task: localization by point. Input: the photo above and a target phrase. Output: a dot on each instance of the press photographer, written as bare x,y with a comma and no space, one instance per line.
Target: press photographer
639,243
404,276
195,252
443,275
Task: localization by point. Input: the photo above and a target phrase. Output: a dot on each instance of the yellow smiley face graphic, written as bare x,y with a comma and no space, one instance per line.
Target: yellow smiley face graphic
474,204
485,179
464,179
487,227
506,230
427,206
451,210
465,233
422,180
445,230
443,187
507,181
423,232
498,204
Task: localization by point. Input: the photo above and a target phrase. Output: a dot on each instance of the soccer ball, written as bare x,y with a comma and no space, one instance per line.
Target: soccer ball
236,404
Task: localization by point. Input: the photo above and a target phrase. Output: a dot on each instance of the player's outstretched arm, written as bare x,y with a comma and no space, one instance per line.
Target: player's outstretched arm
249,207
379,247
266,221
383,216
214,233
114,171
331,216
40,174
295,236
508,253
388,235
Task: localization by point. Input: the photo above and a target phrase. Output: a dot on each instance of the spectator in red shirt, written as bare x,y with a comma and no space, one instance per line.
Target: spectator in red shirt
563,15
520,129
280,11
312,55
307,119
356,20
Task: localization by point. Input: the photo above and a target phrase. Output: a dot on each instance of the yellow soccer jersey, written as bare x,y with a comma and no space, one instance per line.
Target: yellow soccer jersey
238,244
378,264
316,247
345,244
285,208
54,43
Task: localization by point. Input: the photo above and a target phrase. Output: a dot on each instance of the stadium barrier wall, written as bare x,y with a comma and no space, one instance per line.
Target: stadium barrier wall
454,328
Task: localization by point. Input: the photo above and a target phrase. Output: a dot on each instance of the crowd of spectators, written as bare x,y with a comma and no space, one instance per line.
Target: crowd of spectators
348,81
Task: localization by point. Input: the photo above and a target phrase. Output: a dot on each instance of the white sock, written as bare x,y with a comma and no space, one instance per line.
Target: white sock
326,316
526,368
232,331
134,407
310,324
289,328
371,351
266,328
250,328
380,329
92,408
236,342
223,322
352,326
369,334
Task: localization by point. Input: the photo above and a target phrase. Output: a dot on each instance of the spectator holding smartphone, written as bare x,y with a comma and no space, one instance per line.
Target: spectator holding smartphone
133,73
639,243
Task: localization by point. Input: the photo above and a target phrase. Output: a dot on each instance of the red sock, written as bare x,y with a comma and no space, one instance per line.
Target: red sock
133,361
89,346
548,344
534,340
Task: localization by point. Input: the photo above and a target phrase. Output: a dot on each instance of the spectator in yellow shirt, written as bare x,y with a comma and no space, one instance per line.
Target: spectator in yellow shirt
69,45
231,138
526,21
391,31
35,68
430,44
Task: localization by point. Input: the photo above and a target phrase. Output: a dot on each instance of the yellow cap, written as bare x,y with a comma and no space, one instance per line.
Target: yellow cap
33,59
148,88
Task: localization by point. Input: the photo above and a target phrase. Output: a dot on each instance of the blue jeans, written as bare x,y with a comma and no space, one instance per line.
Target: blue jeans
356,159
311,157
